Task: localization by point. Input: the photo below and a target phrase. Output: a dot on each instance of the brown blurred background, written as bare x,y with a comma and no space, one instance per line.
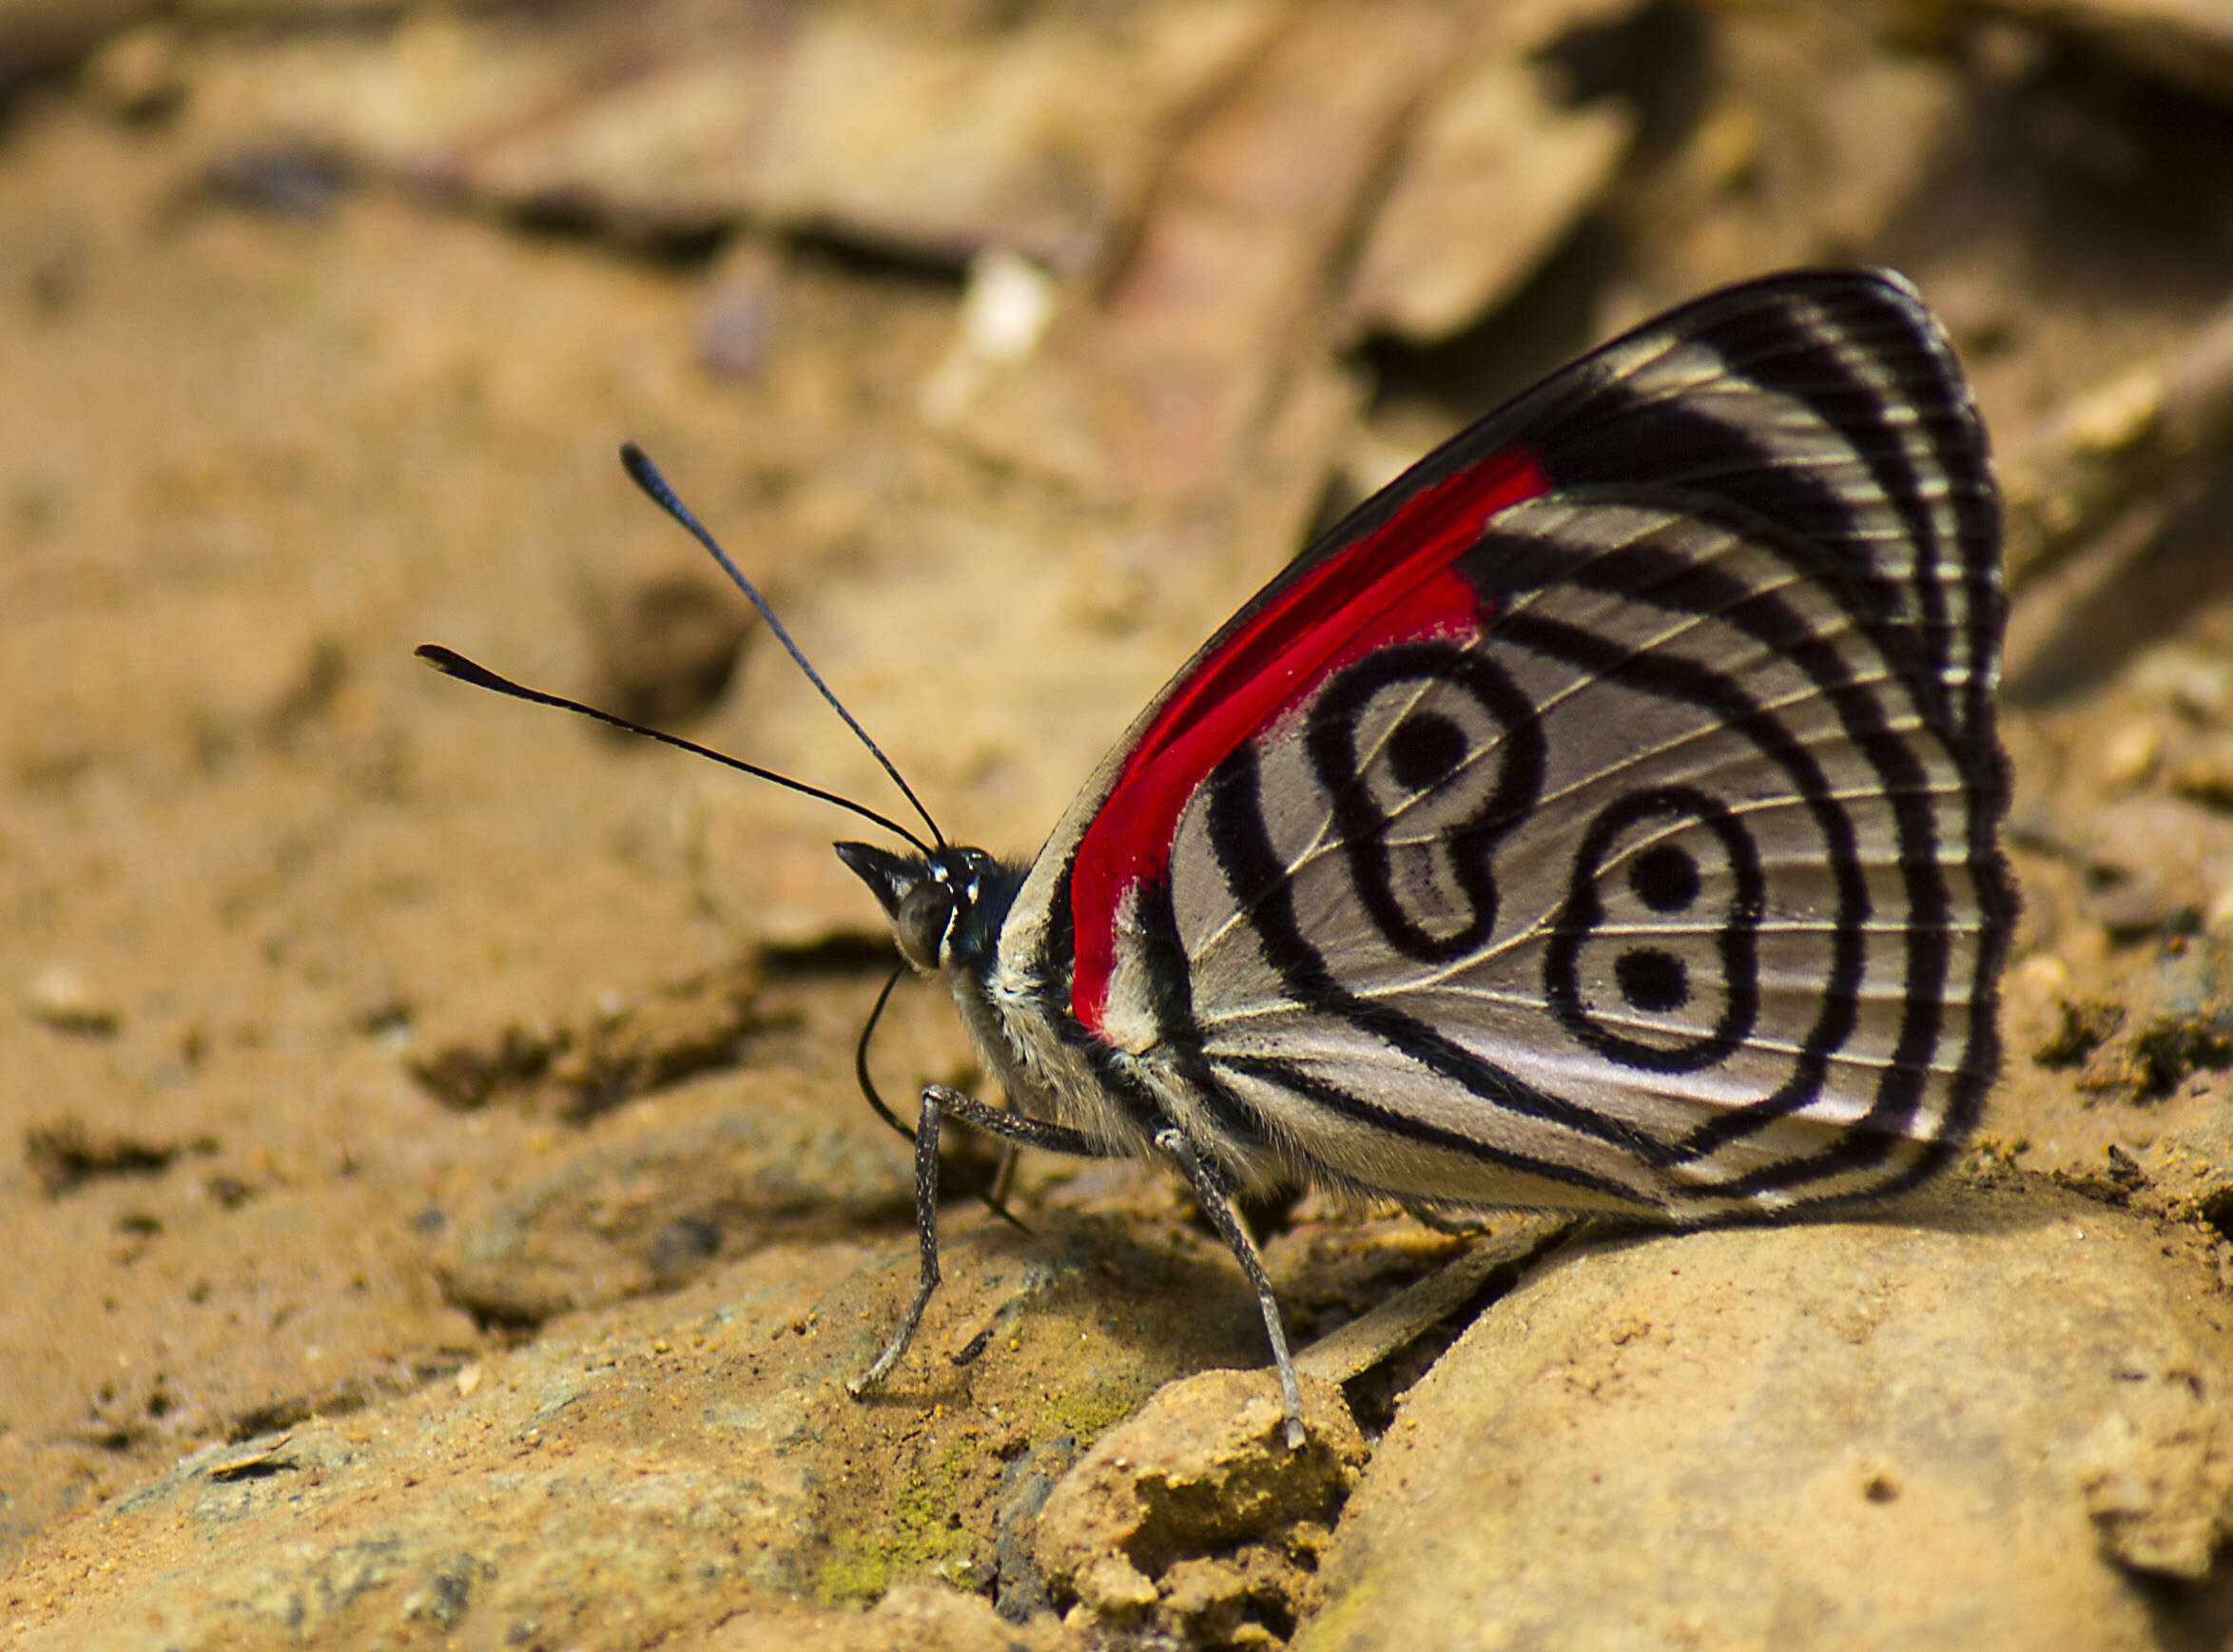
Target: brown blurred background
356,1027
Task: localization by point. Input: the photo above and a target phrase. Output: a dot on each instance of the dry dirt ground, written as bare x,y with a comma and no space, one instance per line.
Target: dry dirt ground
442,1207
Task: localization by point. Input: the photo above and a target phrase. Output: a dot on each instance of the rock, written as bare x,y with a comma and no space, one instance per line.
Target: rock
667,642
1398,1321
1195,1514
2190,1171
136,73
2157,1469
1004,315
910,1619
1019,1591
666,1471
2137,905
67,1153
591,1062
1040,130
2130,754
738,326
2186,43
37,34
1993,1420
1495,146
2205,775
60,998
1161,391
645,1207
2187,680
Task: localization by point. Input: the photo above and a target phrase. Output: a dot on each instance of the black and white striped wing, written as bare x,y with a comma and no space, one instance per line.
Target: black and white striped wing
1607,814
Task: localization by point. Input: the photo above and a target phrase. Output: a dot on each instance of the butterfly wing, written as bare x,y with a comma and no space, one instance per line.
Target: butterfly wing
1605,814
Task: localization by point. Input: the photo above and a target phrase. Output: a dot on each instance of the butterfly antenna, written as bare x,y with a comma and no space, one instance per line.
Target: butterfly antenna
453,664
645,475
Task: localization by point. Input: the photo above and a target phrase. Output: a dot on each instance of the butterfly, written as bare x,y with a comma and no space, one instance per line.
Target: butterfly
1605,816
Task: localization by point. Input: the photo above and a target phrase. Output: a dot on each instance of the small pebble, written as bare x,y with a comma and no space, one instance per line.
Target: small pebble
2130,752
2198,684
2133,906
734,335
62,998
666,645
1006,312
138,73
2206,778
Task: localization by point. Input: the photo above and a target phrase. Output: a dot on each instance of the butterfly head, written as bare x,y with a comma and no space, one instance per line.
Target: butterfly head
944,906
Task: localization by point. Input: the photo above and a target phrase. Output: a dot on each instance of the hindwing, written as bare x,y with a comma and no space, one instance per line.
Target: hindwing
1607,814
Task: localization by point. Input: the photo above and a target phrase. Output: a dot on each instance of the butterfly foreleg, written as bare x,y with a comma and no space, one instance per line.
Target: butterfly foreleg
1216,1201
1017,1129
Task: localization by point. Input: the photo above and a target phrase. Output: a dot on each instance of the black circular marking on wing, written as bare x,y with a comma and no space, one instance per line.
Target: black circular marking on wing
1466,849
1672,583
1665,878
1649,979
1653,980
1425,750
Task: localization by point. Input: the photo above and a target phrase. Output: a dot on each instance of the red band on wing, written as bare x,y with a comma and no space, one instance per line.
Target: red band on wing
1392,585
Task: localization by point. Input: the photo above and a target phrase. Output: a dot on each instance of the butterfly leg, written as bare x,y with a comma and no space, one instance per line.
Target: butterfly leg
1466,1227
1018,1130
1216,1201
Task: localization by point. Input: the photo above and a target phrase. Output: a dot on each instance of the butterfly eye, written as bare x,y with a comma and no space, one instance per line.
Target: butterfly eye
921,922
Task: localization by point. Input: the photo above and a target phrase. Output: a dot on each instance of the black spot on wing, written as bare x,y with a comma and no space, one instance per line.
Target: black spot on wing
1653,980
1423,750
1665,877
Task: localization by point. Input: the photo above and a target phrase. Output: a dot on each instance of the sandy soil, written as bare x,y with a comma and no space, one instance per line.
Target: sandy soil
365,1041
